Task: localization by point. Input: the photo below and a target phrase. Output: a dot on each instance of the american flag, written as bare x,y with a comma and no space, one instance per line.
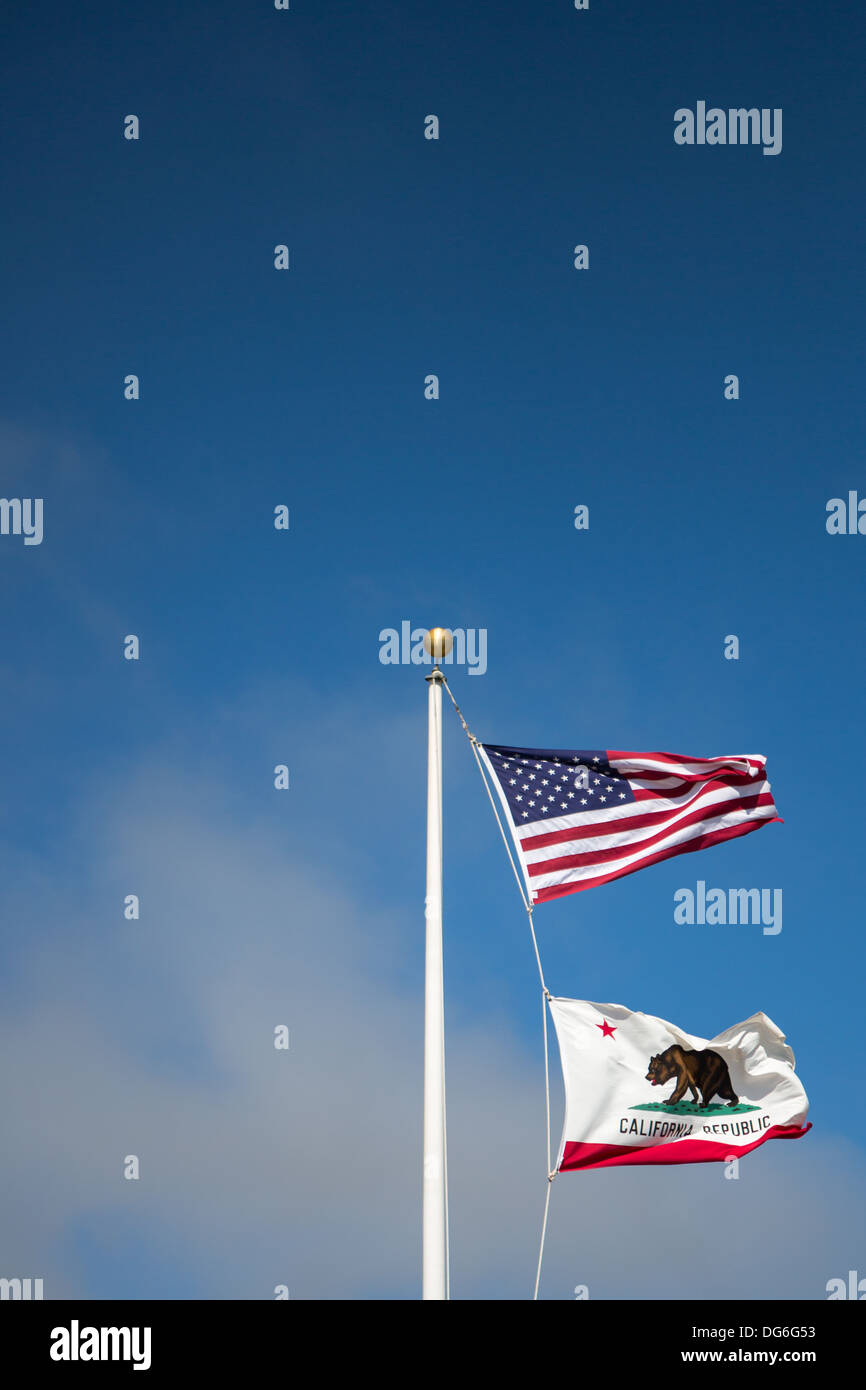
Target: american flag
580,817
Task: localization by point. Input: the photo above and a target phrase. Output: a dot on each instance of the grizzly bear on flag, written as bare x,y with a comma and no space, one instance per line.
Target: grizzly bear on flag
705,1070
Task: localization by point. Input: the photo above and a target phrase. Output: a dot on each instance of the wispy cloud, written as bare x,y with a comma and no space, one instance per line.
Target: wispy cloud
261,1167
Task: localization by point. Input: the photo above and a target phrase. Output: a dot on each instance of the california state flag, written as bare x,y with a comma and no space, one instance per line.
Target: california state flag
640,1090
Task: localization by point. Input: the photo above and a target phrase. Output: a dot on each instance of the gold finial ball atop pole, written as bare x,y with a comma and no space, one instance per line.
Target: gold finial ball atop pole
438,642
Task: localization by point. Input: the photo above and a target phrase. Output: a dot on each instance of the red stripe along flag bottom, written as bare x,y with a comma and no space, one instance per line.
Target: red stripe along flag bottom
640,1090
581,817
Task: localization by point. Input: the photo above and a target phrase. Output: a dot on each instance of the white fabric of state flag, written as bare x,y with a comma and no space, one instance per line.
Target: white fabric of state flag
640,1090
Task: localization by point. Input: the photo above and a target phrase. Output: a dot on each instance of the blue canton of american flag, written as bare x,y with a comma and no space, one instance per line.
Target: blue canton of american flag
550,783
581,817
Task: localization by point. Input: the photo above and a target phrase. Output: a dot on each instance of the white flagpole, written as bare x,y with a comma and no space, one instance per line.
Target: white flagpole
435,1216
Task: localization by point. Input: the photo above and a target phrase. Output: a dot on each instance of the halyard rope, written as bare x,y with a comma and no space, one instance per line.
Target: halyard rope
545,992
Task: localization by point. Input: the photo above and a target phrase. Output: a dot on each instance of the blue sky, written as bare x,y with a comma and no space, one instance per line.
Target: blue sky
557,387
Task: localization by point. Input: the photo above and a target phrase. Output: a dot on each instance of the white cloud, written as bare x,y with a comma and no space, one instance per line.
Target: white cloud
261,1167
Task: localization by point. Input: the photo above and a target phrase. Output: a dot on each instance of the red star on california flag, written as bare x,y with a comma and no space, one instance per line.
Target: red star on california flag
606,1030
